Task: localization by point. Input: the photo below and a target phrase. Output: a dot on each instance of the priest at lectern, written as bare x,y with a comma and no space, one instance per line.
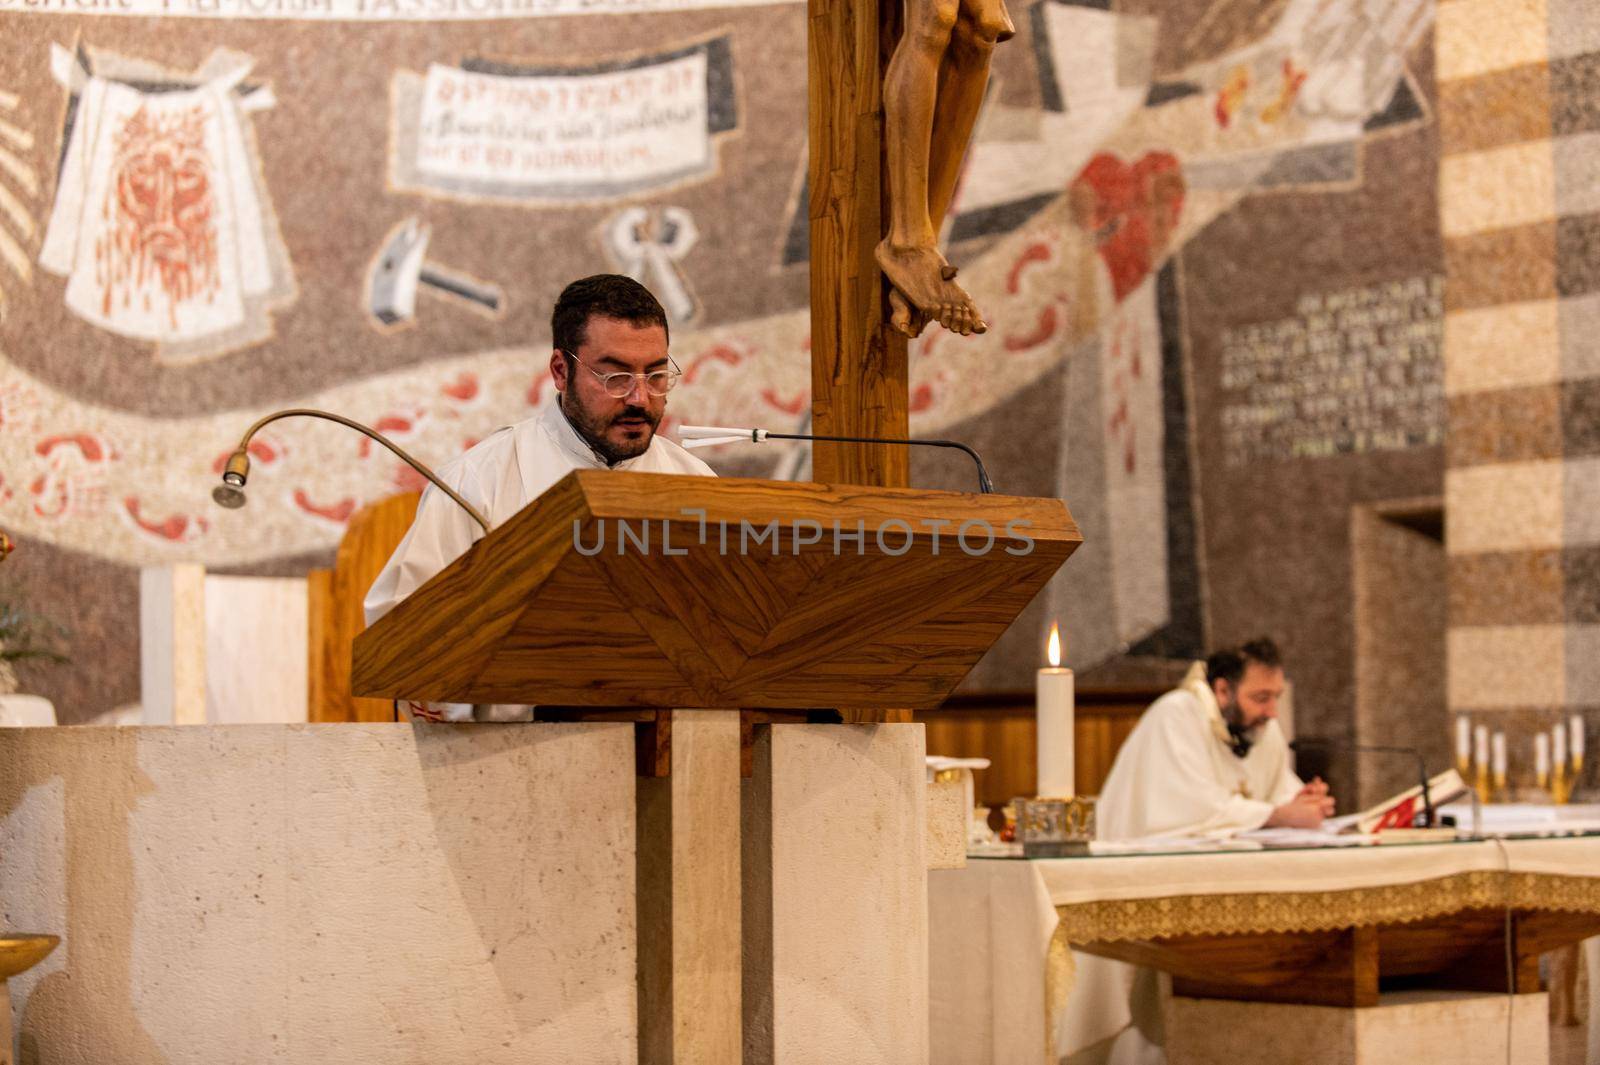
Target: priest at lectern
612,374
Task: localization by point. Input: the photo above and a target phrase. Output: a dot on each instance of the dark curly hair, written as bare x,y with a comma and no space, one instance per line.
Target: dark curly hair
1229,664
605,296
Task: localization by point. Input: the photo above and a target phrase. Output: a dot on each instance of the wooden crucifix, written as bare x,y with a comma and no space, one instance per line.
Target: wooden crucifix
892,107
894,91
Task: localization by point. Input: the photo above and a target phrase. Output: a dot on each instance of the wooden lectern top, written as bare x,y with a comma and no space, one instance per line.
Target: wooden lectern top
610,589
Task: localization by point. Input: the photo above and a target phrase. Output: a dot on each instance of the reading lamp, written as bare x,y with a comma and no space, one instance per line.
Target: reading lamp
230,493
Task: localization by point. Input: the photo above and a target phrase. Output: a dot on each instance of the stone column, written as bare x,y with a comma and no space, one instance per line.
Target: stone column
1520,217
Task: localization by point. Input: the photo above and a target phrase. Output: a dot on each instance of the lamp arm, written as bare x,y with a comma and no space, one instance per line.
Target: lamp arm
239,461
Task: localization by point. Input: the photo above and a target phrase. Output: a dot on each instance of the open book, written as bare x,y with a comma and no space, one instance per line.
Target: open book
1401,810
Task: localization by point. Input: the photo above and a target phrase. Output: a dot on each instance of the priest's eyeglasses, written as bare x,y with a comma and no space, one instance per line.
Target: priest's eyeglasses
619,385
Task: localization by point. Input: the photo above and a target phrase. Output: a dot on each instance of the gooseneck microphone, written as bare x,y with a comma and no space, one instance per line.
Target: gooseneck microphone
1313,742
230,493
693,436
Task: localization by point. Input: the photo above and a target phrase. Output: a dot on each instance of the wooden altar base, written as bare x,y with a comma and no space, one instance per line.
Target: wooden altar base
1350,967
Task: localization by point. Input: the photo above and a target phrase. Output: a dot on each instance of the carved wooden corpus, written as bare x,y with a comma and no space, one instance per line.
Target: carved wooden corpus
933,90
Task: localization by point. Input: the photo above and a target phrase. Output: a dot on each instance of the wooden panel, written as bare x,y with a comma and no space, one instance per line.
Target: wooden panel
1430,946
659,496
652,745
524,616
858,364
319,618
336,616
1311,968
1467,950
1001,729
596,638
466,609
689,968
1549,930
1464,951
1461,951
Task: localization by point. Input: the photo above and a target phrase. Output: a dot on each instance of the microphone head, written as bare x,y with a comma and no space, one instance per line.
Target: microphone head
706,432
230,493
226,495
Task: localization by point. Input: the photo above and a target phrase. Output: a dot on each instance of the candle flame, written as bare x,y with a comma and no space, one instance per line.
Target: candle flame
1054,649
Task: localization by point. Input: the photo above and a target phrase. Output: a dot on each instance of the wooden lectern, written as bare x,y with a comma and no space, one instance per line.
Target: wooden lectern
655,590
643,595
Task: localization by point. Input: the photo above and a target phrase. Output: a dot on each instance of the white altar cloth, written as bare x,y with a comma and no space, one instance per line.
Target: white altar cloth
999,973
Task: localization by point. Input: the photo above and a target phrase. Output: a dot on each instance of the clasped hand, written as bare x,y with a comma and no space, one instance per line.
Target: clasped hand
1307,809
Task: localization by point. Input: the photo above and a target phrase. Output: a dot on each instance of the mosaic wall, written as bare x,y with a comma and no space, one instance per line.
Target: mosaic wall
1519,196
1207,232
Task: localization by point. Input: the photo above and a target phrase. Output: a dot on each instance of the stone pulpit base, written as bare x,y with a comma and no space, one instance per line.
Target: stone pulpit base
345,894
835,897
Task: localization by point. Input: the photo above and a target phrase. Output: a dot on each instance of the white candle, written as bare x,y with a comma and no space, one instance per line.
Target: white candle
1499,754
1053,714
1558,747
1480,746
1463,739
1576,725
1541,756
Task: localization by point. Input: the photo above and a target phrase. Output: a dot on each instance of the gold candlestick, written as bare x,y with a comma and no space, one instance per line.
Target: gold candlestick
1481,784
1560,785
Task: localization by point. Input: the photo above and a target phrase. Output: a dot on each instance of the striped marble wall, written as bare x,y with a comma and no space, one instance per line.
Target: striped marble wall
1519,202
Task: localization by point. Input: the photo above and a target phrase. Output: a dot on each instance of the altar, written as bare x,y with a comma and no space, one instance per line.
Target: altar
1344,930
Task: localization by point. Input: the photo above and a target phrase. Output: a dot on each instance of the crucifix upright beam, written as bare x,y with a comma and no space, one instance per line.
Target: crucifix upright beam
866,218
859,374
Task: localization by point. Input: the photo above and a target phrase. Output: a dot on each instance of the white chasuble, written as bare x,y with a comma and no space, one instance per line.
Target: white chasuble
1176,775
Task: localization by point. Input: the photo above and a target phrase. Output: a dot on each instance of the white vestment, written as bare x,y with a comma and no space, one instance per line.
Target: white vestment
1176,775
499,476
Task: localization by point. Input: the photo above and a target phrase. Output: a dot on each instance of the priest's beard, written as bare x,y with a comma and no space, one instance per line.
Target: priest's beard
1242,735
595,429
